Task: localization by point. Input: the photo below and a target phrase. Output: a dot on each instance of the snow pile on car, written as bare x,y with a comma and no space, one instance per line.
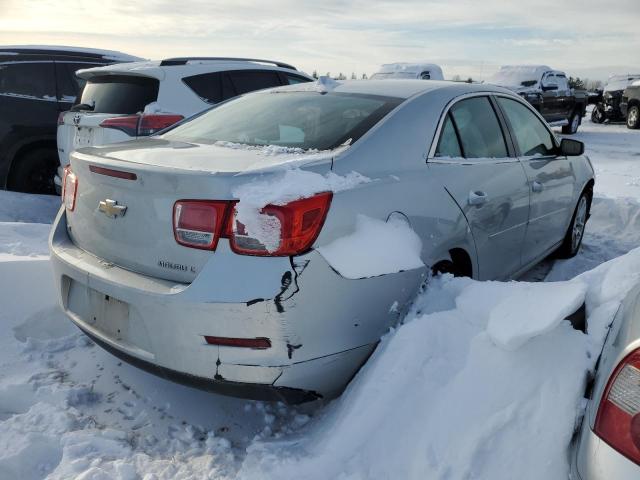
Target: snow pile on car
284,187
375,248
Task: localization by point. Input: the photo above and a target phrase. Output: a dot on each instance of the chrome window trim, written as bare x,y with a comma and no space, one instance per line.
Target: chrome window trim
431,158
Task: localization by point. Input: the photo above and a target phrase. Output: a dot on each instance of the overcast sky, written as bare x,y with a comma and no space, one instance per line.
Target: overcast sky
588,38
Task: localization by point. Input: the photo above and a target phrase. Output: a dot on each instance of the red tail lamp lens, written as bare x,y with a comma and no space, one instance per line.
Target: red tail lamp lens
127,124
154,123
300,224
618,419
199,223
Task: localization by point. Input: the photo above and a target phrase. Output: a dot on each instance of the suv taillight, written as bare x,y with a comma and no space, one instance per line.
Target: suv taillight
128,124
618,419
150,124
69,188
61,118
141,125
297,225
201,223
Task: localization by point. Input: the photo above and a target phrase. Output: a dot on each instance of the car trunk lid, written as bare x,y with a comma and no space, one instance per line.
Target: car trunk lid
138,188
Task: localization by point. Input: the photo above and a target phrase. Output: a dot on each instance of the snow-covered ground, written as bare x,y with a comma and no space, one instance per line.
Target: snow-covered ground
483,380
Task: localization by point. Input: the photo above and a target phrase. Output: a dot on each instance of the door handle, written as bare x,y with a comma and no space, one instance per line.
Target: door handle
537,187
477,198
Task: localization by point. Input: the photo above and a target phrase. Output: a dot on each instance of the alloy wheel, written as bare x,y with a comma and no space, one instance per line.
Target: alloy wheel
579,224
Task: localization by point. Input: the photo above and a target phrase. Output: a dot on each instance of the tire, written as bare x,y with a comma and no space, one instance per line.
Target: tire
597,115
34,172
633,117
575,233
574,123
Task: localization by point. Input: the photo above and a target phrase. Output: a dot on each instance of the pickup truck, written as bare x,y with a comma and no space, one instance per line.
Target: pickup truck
548,91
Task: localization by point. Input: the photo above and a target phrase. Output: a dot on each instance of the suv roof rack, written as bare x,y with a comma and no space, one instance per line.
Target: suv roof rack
183,61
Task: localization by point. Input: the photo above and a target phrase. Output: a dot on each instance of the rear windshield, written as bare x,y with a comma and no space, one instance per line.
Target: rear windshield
119,94
306,120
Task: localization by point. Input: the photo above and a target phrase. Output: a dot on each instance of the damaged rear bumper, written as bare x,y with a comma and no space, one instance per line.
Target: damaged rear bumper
322,327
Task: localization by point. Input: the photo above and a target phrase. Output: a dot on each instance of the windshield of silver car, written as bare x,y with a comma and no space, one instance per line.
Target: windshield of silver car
305,120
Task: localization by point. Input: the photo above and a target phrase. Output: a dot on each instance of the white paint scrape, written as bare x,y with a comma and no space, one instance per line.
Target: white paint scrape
375,248
291,185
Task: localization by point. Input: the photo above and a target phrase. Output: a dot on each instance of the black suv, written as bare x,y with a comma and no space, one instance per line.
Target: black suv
36,84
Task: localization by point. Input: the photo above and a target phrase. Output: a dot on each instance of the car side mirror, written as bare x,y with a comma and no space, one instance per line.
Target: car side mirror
571,148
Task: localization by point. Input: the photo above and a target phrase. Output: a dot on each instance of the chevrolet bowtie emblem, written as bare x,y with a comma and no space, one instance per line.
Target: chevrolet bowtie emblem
111,208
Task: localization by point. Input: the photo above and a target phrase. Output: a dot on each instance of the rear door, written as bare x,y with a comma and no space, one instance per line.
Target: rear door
550,108
564,98
475,164
551,179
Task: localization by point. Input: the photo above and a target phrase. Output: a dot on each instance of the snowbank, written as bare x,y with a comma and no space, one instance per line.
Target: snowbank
442,398
375,248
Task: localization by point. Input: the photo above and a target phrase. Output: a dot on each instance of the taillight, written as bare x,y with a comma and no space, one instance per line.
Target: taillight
618,419
128,124
297,226
141,125
154,123
61,118
69,188
199,223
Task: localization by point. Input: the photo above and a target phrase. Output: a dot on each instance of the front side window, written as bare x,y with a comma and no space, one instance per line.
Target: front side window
531,136
28,80
563,83
306,120
479,129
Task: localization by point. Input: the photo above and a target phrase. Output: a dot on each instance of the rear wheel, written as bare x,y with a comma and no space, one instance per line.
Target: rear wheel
573,238
574,123
633,117
34,172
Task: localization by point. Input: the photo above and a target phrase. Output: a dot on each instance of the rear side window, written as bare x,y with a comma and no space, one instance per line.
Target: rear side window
69,85
479,130
532,137
448,146
246,81
119,93
293,79
211,87
34,80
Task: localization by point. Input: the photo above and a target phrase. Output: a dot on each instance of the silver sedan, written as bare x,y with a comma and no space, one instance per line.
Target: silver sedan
608,446
152,261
